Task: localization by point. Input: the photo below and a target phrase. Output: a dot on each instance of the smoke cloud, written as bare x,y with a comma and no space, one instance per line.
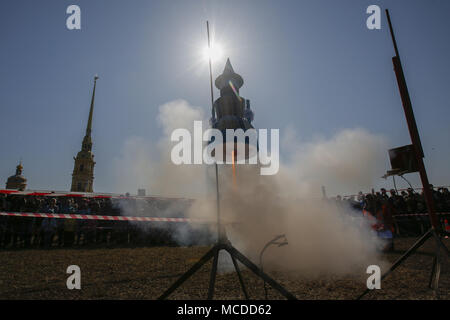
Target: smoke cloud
146,164
351,160
323,237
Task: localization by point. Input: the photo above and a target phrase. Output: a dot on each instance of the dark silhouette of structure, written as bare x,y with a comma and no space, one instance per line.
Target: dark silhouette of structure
83,170
17,181
435,231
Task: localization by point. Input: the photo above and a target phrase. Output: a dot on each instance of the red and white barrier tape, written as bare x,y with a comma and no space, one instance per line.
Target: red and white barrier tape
131,218
92,217
40,193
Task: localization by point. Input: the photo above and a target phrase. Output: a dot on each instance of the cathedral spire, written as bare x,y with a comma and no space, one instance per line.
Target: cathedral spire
83,170
91,111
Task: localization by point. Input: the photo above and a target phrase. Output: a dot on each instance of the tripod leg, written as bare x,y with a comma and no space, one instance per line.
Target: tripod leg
437,264
433,269
399,261
212,278
188,273
239,256
437,274
241,281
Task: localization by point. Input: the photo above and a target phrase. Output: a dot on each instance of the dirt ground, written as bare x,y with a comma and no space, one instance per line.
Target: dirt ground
144,273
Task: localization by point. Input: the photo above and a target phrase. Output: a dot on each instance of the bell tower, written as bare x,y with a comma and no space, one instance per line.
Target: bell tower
83,171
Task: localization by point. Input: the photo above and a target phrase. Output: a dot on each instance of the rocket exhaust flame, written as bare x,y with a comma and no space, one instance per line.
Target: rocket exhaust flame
234,169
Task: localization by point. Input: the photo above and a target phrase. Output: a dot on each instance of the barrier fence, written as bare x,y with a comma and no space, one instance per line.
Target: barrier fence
135,218
94,217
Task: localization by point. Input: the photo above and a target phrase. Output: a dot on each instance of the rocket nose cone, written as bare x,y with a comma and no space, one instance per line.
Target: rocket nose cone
228,67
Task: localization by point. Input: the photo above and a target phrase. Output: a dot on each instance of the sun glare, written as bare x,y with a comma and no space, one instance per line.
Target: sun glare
215,52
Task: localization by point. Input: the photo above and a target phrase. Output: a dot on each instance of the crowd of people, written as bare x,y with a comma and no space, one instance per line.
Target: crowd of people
27,232
403,212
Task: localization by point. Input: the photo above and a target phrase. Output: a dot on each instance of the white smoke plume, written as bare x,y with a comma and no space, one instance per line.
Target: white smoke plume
323,238
351,160
145,164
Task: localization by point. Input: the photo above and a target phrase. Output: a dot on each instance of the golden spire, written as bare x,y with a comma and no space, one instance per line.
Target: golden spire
19,168
91,111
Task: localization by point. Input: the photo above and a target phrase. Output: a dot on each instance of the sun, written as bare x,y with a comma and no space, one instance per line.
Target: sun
215,52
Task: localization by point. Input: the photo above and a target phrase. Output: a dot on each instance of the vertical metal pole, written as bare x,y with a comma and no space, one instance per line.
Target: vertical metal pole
219,229
210,70
324,193
413,131
219,233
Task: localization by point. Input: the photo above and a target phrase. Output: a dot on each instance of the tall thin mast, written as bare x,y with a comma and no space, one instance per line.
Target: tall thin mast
219,229
210,71
413,131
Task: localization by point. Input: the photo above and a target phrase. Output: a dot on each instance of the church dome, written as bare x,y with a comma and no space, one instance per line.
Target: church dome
17,181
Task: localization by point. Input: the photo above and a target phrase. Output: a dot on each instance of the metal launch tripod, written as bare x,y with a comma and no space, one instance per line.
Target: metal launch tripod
435,231
223,243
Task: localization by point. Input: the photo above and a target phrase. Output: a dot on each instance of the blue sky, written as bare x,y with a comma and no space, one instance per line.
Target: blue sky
311,65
